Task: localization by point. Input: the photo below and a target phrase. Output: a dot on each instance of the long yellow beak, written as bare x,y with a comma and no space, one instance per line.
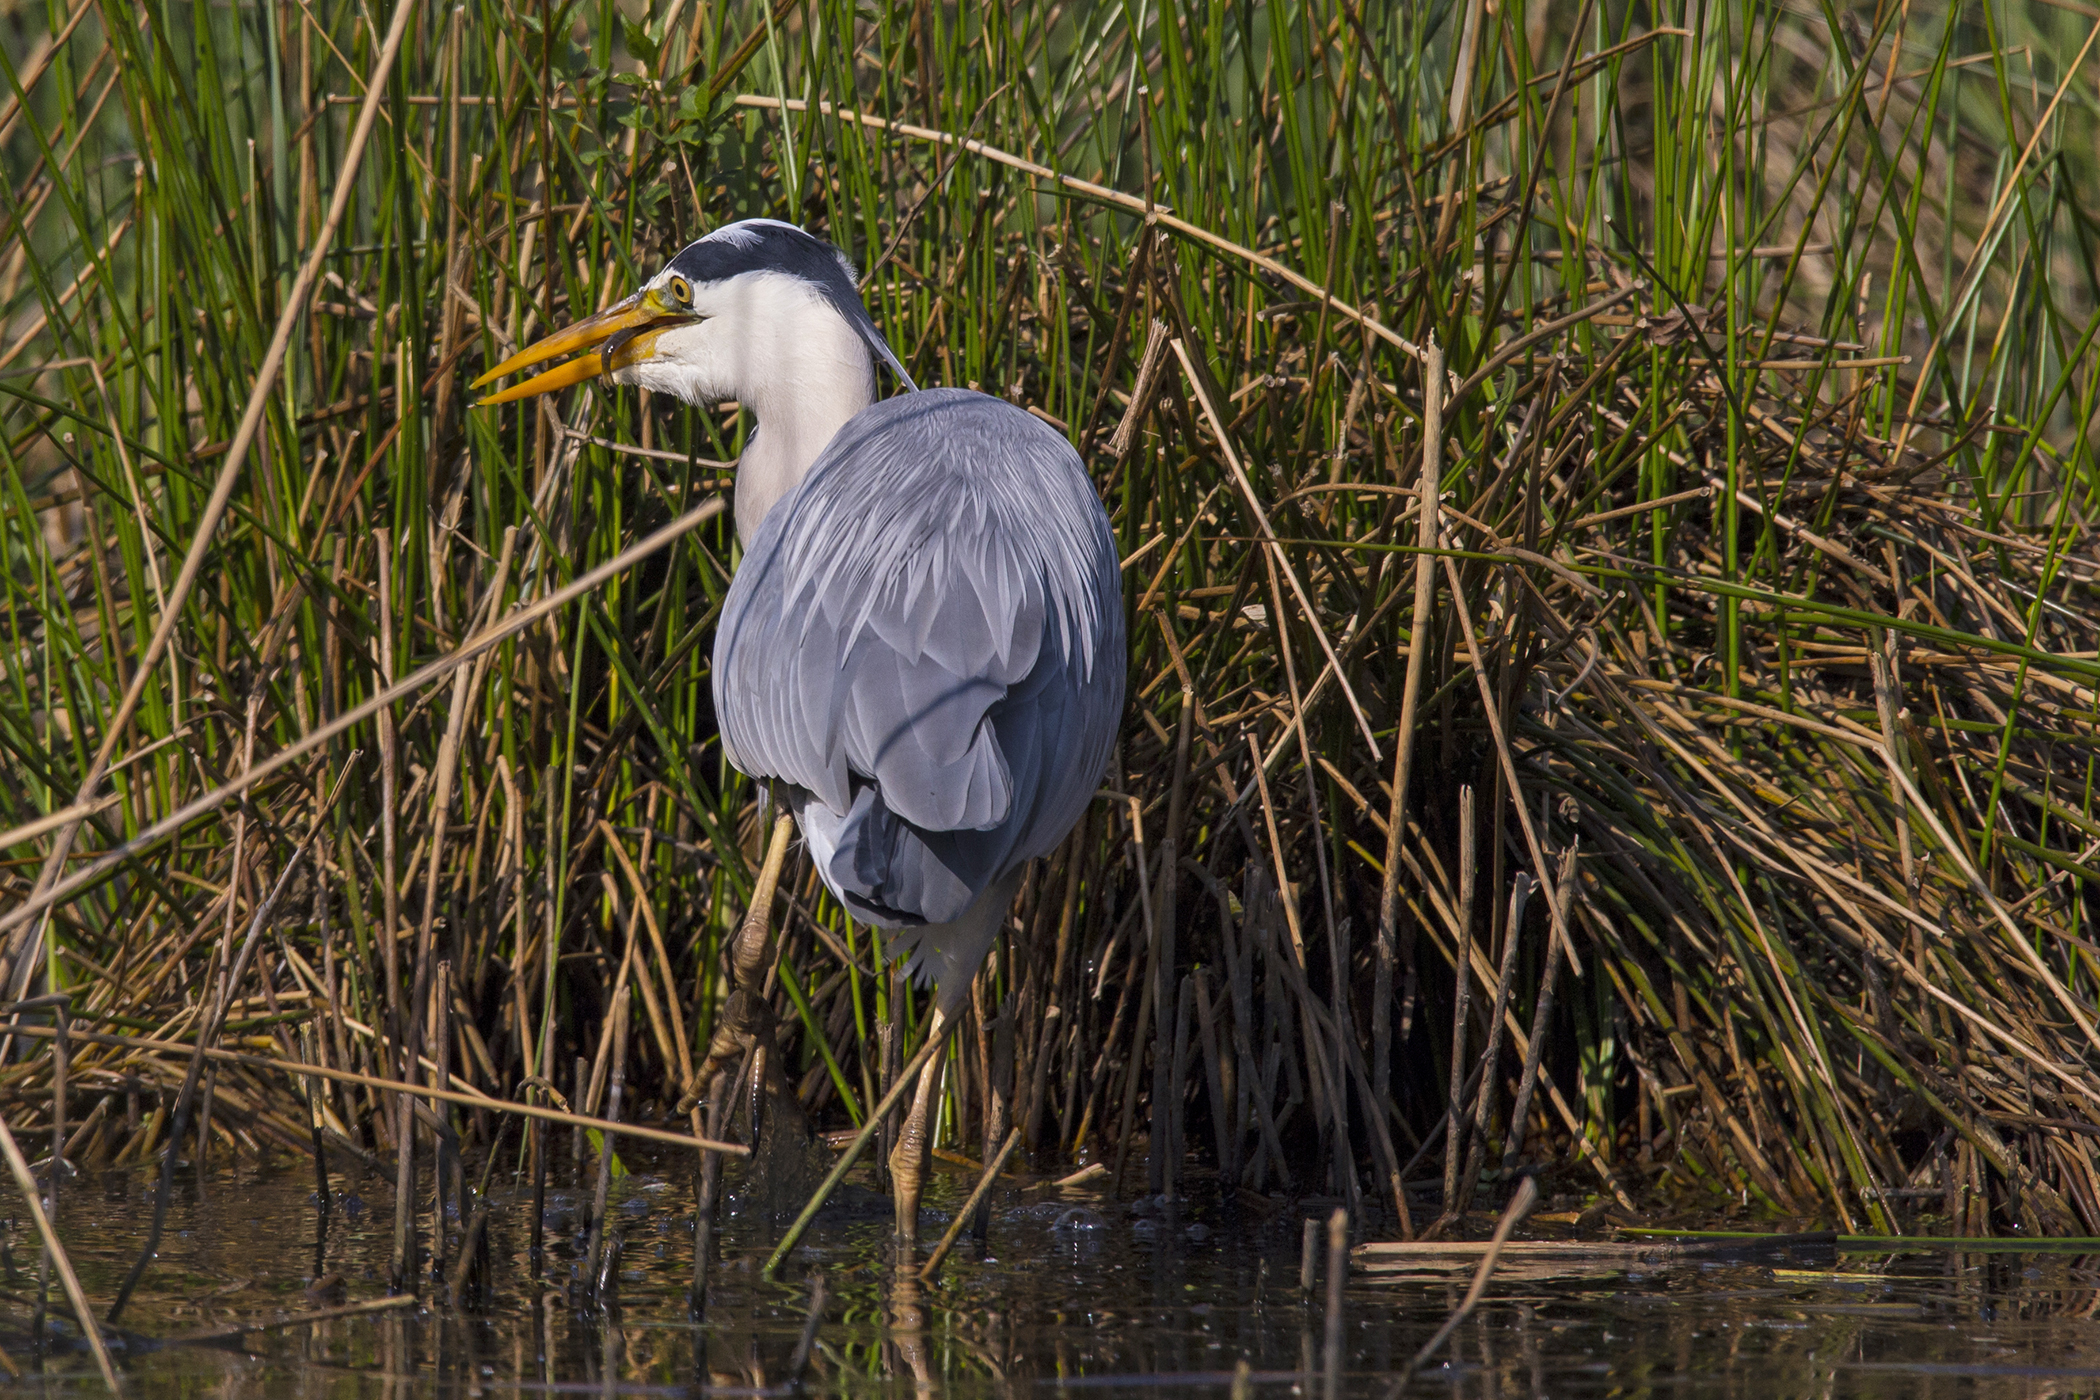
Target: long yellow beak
637,312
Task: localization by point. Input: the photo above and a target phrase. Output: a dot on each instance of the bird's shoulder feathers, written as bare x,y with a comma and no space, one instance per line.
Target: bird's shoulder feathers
944,549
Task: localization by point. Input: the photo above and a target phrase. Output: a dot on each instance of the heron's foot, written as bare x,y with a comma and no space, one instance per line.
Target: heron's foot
746,1022
907,1176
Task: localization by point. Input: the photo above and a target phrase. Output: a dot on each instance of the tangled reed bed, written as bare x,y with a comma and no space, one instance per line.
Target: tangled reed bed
1747,622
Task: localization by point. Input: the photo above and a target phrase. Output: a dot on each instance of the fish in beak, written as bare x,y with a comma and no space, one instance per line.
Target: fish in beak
627,324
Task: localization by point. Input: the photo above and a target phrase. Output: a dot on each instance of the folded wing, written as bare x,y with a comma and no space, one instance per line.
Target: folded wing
924,644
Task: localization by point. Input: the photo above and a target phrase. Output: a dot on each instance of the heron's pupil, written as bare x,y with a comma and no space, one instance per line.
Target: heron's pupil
679,288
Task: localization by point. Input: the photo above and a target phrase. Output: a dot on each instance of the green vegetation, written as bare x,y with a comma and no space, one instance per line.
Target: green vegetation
1758,627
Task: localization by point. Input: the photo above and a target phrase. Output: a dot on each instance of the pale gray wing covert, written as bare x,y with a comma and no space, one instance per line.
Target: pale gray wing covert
924,643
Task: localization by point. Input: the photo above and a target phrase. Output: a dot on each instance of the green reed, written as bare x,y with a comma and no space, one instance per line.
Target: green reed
1765,476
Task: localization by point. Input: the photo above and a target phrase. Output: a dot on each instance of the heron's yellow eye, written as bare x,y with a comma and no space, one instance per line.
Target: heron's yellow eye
680,291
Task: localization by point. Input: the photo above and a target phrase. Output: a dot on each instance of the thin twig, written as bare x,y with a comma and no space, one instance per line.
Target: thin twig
1519,1206
990,1174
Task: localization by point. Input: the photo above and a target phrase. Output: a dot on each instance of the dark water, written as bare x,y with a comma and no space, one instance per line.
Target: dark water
1072,1291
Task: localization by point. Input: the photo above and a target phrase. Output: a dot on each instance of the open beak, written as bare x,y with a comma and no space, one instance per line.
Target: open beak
627,319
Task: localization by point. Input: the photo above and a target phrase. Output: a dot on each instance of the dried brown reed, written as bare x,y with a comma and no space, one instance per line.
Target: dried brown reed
1479,413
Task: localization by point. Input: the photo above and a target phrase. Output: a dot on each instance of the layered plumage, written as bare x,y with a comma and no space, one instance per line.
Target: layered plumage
924,647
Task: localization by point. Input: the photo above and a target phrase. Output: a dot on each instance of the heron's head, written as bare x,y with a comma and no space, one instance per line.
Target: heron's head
756,310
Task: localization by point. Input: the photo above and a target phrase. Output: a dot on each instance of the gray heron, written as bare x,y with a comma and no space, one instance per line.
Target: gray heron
922,649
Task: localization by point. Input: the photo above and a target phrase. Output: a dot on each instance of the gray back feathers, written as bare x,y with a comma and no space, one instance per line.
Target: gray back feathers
924,644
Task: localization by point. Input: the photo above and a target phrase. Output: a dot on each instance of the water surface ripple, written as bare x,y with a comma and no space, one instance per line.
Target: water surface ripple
1071,1291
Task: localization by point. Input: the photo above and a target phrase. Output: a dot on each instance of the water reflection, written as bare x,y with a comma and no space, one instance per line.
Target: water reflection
1071,1291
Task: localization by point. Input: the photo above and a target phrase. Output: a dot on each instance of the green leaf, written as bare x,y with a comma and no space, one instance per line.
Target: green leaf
597,1141
639,43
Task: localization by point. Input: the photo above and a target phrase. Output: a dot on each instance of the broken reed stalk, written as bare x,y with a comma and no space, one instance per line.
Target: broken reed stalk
618,1027
580,1095
470,1249
978,1196
25,1182
536,1249
1337,1275
706,1186
1541,1018
441,1154
1454,1113
1513,1215
1491,1056
475,1256
315,1120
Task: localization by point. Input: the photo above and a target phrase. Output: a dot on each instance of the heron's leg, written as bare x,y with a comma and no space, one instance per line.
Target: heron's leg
908,1158
754,938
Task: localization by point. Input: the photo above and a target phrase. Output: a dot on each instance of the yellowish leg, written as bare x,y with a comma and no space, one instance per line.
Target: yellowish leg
755,937
908,1158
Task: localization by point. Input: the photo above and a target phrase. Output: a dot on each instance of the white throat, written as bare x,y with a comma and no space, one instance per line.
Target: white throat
805,372
774,344
797,416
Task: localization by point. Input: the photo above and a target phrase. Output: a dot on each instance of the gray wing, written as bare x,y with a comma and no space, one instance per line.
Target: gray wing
925,643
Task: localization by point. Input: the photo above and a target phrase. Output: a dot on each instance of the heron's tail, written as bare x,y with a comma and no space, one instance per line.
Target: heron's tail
948,955
891,873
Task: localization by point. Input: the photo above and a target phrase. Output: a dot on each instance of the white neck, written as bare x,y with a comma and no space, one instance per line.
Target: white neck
798,415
